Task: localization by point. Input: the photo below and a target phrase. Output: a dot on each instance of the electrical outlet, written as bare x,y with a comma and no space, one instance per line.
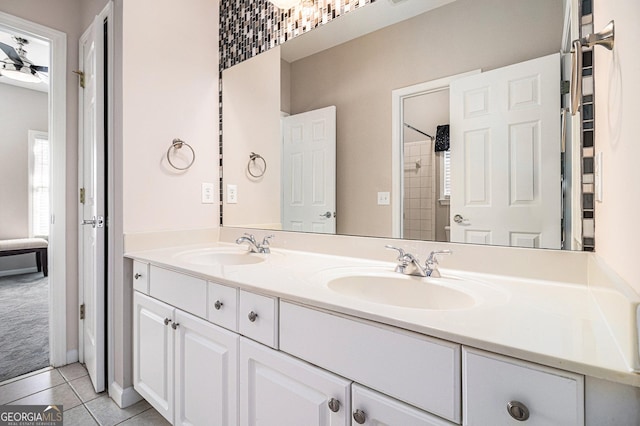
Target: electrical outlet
207,193
232,194
384,198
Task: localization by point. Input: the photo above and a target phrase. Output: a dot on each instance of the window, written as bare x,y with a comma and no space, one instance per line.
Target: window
39,182
445,177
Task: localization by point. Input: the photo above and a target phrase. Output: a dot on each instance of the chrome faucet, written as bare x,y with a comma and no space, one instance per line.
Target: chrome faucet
408,264
254,246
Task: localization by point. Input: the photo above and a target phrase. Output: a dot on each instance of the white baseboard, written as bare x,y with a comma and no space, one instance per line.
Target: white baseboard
18,271
72,356
123,397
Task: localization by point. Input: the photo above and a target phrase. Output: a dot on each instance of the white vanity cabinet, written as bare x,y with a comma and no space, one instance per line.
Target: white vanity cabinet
277,389
185,367
418,370
498,390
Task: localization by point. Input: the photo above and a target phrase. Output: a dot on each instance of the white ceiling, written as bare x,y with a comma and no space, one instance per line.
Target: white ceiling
37,52
354,24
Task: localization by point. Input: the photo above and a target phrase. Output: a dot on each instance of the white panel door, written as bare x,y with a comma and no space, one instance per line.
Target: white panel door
153,352
379,410
206,373
505,156
92,258
309,171
277,390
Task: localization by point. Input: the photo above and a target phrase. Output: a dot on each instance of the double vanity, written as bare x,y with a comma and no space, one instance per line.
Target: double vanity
225,336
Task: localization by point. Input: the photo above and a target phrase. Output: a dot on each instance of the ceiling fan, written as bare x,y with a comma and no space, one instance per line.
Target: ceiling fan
17,66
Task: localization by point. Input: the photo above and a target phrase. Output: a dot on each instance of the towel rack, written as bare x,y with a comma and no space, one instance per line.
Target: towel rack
177,144
603,38
253,157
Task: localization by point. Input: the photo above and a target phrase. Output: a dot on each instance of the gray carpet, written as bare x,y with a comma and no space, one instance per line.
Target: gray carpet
24,324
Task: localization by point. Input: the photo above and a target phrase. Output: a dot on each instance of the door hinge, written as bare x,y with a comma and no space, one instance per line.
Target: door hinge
82,195
82,311
565,87
81,75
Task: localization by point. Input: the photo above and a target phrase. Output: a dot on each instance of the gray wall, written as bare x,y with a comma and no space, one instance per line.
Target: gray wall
459,37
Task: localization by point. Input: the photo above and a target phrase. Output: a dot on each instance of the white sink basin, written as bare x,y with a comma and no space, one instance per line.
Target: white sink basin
385,287
404,291
221,256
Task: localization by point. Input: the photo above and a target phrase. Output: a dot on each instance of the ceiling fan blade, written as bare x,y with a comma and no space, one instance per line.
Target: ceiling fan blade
11,53
39,68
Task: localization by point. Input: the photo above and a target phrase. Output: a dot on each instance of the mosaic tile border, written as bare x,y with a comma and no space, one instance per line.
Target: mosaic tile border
587,131
250,27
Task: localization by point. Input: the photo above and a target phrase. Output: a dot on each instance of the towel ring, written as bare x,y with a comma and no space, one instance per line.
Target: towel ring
177,144
252,159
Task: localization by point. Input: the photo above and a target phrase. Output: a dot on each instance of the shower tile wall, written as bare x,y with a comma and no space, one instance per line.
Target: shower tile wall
250,27
419,191
588,125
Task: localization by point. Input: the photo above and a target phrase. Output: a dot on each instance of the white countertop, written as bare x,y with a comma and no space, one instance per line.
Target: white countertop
550,323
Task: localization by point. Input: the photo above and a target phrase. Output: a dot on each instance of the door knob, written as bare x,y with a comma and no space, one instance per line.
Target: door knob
334,405
459,219
96,222
327,215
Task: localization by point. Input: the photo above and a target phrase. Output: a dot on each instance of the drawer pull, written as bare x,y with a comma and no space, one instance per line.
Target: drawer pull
218,305
252,316
175,325
137,275
167,321
334,405
359,417
518,411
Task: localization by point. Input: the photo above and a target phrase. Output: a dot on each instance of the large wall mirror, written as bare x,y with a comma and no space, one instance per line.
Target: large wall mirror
431,120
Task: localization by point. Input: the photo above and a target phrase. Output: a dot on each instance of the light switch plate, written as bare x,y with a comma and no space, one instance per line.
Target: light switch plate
384,198
207,193
597,176
232,194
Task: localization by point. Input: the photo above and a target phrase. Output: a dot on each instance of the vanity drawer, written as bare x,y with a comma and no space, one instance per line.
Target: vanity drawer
258,318
491,382
141,276
223,305
413,368
180,290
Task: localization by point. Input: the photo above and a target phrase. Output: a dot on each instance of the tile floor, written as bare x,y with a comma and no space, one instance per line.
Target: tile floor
70,387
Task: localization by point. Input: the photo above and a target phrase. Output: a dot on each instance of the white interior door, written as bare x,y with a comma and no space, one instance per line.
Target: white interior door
92,208
309,171
505,156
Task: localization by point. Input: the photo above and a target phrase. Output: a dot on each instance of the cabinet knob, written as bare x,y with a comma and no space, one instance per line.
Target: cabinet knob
359,417
218,305
518,410
334,405
252,316
137,275
175,325
167,321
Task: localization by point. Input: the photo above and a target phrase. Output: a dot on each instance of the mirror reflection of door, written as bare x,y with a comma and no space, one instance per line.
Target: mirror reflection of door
309,171
425,170
508,121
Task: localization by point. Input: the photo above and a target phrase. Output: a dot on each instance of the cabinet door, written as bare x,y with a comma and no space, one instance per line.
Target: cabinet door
153,353
277,389
206,373
375,409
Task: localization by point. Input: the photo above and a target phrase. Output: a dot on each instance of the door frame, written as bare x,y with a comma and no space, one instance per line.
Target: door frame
397,111
57,135
58,355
